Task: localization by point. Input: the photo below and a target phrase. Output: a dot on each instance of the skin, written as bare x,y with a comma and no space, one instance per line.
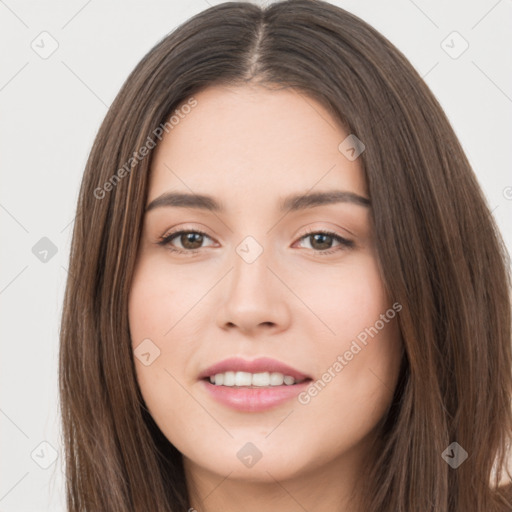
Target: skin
249,146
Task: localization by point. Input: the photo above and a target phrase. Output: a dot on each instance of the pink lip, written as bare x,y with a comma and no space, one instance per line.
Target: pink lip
262,364
253,399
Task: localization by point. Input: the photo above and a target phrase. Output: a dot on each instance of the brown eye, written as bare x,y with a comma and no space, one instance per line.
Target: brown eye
322,242
189,241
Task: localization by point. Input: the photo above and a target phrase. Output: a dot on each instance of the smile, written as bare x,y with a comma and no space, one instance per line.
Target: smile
246,379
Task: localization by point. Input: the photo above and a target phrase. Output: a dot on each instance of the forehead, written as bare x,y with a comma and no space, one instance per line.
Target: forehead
248,141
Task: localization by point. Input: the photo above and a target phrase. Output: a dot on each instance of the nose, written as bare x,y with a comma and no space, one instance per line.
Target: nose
253,297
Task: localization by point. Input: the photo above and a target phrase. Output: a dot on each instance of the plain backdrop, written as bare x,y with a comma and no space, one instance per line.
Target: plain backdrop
51,107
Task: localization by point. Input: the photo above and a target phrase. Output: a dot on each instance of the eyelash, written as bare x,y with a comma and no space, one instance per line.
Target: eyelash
344,243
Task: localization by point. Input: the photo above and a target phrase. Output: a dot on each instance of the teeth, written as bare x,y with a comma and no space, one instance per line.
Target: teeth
243,379
239,379
289,380
276,379
229,379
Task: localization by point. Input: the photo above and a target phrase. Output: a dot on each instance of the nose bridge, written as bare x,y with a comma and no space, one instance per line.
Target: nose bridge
250,266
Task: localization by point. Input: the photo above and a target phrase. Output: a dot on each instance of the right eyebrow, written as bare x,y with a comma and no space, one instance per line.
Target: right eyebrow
185,200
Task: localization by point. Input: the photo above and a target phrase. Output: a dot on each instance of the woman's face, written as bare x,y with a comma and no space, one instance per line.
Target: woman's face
261,281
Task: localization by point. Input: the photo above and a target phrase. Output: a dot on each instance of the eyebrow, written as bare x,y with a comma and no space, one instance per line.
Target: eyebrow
294,202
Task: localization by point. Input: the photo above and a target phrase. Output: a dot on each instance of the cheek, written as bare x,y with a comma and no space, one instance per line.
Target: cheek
358,382
343,406
161,303
344,300
357,379
356,367
150,318
162,324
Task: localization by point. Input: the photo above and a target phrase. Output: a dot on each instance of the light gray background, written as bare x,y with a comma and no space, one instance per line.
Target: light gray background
51,109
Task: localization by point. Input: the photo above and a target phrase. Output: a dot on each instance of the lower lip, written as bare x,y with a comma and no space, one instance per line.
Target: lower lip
254,399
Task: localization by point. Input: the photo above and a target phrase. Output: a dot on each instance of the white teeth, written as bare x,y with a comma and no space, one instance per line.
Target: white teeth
276,379
263,379
243,379
289,380
229,379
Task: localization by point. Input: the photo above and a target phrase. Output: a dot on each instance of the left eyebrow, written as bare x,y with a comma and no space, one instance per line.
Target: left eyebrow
293,203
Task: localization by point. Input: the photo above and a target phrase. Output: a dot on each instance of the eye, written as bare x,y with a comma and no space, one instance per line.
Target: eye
190,241
321,241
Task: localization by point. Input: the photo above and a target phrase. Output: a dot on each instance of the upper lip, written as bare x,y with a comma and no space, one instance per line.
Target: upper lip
262,364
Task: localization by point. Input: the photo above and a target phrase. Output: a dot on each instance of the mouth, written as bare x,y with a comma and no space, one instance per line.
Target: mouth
261,372
240,379
253,386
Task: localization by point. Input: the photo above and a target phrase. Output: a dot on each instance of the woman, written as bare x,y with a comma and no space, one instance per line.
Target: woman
287,289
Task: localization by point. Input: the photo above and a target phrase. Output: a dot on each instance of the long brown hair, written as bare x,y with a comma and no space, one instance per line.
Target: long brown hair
438,247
